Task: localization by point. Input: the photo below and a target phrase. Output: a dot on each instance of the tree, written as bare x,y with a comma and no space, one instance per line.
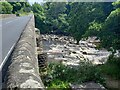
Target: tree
85,19
56,16
39,17
19,7
27,7
6,8
99,13
94,29
37,8
16,6
110,35
79,18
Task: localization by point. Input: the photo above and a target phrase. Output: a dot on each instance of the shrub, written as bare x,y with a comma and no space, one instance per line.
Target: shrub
112,67
6,8
68,74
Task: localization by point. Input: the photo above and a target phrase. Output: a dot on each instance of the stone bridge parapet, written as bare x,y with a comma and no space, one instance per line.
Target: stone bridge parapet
23,71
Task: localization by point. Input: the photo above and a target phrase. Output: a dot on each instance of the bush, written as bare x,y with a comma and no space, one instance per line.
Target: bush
59,84
67,74
112,67
6,8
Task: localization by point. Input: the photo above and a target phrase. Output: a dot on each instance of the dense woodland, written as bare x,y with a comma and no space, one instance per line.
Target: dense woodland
15,8
82,20
79,20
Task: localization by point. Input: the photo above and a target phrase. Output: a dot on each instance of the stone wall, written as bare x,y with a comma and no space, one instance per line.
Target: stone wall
42,57
23,72
42,62
7,15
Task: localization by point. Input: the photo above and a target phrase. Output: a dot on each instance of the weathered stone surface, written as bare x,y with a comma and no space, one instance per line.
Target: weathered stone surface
23,71
7,15
63,48
38,38
87,86
42,61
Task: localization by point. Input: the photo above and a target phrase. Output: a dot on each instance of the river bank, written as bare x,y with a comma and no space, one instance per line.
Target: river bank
64,49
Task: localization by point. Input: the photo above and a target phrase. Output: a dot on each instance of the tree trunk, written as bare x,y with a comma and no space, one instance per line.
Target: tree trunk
77,42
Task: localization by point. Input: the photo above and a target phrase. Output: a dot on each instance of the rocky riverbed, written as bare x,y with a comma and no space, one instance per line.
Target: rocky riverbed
64,49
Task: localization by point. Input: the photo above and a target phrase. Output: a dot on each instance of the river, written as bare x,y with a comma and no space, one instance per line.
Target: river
64,49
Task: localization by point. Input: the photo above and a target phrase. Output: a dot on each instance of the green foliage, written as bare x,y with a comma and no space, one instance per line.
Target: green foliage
6,8
94,29
85,19
37,8
39,17
112,67
116,4
110,35
16,6
50,17
20,7
56,16
67,74
58,84
78,21
38,11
